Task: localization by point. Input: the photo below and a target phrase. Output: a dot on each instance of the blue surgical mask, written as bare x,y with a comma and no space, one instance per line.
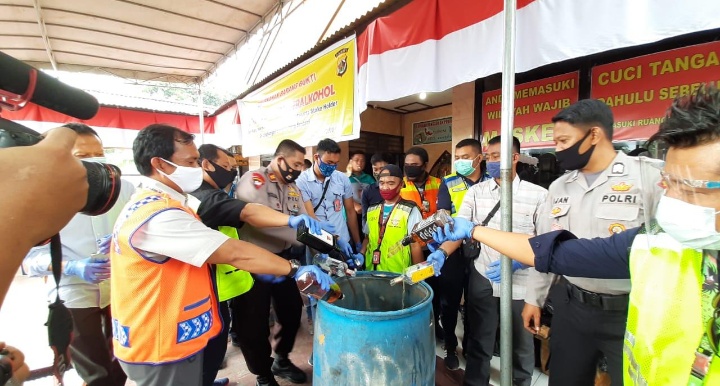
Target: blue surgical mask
326,169
493,169
464,166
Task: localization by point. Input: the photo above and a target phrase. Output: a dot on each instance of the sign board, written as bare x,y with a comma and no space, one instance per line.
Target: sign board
640,90
536,103
315,100
432,131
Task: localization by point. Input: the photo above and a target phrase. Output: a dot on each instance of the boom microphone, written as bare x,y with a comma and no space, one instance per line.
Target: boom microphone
49,92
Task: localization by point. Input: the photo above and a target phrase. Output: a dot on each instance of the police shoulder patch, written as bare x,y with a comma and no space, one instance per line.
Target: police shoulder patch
616,228
258,180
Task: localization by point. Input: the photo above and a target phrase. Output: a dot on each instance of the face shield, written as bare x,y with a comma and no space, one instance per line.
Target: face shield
651,190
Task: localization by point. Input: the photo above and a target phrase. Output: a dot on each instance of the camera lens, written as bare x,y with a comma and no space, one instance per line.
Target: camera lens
104,187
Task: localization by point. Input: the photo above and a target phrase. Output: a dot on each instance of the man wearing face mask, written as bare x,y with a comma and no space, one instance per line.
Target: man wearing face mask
672,334
601,195
371,194
482,300
228,215
274,187
388,223
164,304
468,156
84,286
422,189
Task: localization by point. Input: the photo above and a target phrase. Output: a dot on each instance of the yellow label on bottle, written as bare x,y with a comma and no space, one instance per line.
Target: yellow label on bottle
422,273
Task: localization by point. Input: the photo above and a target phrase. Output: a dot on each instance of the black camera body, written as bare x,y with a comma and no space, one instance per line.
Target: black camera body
103,179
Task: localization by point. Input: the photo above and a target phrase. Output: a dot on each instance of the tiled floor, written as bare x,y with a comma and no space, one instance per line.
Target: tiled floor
24,313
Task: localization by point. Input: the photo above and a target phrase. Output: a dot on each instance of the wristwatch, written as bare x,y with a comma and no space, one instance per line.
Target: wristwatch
294,266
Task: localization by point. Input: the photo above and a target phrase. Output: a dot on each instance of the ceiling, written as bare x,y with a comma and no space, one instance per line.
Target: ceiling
413,103
166,40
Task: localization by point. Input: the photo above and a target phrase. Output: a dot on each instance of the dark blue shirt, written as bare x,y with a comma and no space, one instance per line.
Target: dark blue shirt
370,196
563,253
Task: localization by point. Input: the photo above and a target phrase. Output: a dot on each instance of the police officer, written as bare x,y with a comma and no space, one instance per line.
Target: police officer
273,186
599,197
468,156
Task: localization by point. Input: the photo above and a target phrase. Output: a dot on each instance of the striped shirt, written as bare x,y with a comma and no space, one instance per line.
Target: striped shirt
479,201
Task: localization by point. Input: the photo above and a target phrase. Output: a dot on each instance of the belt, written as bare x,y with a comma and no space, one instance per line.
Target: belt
602,301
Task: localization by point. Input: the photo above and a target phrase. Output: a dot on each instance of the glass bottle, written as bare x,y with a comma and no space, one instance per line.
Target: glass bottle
333,267
423,231
415,273
308,284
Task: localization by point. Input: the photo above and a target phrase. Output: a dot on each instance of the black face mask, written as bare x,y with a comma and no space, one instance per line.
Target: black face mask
571,159
412,171
289,174
221,176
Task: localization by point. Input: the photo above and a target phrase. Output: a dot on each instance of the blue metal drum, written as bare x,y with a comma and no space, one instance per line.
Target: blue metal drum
377,334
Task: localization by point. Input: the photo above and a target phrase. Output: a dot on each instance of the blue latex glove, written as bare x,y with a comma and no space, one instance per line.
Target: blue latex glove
312,224
345,247
433,246
272,279
358,246
461,229
437,258
104,244
322,278
356,261
494,273
89,269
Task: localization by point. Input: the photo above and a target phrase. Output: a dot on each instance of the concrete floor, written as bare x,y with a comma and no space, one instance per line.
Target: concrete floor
23,315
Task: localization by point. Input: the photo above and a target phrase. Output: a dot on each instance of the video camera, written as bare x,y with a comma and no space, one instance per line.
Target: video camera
21,83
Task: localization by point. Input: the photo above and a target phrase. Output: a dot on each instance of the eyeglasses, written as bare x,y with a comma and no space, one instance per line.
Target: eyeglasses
494,157
670,181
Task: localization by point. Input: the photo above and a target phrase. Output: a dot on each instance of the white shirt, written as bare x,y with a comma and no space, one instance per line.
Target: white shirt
79,240
481,198
176,233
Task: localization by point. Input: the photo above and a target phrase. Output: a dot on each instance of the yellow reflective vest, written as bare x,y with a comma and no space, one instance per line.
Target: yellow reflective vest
457,187
231,282
665,323
395,231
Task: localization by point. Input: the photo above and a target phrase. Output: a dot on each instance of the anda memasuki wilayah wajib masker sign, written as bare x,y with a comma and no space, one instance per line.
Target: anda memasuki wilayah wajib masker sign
311,102
535,104
640,90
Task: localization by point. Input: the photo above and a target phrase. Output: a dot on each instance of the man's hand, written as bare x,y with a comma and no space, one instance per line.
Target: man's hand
531,318
356,262
89,269
494,272
437,258
345,247
312,224
322,278
461,229
16,359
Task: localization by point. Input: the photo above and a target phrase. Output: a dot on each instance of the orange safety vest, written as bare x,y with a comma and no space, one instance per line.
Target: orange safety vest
162,311
432,187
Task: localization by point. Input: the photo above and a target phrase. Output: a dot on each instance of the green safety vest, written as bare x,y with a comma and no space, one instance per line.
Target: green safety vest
395,231
231,282
457,187
665,323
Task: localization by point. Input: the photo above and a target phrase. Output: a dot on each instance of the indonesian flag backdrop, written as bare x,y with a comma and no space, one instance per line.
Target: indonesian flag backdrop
432,45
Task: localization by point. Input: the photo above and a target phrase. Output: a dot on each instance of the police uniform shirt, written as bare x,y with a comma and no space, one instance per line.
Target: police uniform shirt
216,208
611,204
263,187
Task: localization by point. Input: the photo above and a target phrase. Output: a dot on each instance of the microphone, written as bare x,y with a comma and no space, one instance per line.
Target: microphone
49,92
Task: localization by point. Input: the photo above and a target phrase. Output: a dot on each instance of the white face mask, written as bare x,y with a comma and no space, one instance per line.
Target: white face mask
692,225
186,178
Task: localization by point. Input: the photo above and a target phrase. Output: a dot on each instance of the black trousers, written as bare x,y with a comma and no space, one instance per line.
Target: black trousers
250,313
581,334
216,348
91,347
482,313
452,283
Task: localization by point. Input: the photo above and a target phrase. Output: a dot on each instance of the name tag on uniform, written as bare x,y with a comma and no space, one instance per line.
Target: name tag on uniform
337,204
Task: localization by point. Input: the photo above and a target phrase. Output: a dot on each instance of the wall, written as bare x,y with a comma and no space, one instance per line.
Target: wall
434,150
463,112
381,121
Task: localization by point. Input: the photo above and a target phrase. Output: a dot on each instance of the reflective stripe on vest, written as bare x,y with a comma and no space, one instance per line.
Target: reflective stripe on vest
410,192
395,231
664,324
162,311
457,187
231,282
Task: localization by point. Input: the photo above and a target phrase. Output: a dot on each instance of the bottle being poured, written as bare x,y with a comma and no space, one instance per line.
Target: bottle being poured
423,231
325,243
415,273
